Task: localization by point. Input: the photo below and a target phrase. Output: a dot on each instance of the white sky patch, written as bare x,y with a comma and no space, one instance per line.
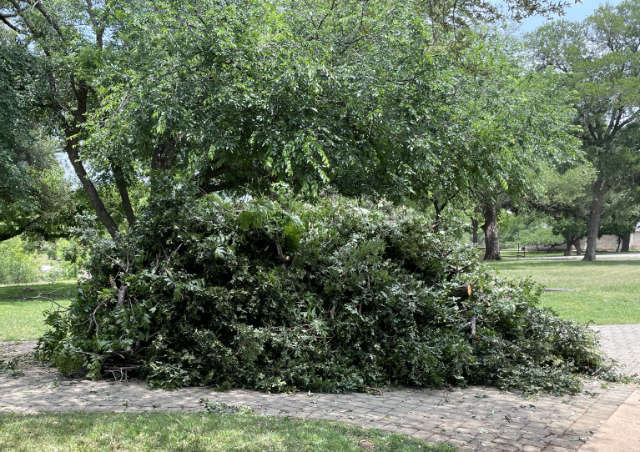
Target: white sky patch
65,164
574,13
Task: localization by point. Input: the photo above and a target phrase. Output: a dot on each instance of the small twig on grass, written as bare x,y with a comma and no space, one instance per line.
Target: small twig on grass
49,299
45,295
39,297
62,308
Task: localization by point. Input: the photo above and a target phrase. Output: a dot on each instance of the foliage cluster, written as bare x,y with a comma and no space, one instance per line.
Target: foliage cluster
64,258
277,294
527,229
34,197
28,261
17,265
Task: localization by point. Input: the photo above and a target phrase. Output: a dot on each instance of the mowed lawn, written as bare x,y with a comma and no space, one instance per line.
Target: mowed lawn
22,308
604,292
192,432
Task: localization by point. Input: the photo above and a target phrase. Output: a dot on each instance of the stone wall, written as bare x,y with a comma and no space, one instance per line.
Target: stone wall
610,242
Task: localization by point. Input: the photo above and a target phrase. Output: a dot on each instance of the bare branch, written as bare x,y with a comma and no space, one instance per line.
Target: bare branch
621,125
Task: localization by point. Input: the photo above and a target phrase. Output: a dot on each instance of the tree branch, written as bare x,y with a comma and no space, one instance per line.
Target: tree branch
5,20
121,184
38,5
621,125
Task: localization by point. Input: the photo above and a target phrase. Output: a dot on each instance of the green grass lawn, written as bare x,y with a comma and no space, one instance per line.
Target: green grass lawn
605,292
192,432
21,313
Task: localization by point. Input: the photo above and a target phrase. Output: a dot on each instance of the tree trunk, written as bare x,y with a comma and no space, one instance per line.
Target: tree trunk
490,228
474,231
71,130
162,161
578,246
121,183
90,189
438,210
164,154
626,241
597,204
567,250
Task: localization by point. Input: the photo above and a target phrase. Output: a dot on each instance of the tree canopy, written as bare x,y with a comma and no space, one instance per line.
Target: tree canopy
359,97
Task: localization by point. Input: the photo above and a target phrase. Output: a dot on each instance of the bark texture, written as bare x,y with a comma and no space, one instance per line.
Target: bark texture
567,250
438,208
121,183
578,246
595,215
490,228
474,231
94,197
626,242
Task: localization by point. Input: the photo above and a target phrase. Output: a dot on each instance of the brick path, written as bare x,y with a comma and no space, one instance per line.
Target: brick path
475,418
621,432
622,343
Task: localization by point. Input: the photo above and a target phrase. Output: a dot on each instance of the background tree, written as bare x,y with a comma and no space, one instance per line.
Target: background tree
565,199
68,39
599,59
413,122
527,228
34,197
621,216
518,124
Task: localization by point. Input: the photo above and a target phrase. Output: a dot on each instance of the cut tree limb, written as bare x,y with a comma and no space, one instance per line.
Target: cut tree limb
463,291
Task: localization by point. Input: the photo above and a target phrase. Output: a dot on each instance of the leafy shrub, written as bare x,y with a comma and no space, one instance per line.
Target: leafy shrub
28,261
528,229
338,296
16,264
69,259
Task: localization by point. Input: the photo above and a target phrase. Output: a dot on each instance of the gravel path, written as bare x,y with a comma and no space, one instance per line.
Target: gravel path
475,418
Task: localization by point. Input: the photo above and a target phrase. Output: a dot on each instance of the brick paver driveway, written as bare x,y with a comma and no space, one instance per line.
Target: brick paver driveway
475,418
